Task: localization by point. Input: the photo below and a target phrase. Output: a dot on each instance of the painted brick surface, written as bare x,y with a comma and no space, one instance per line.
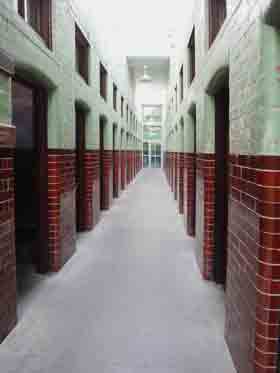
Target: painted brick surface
61,207
7,244
180,184
249,37
107,184
189,192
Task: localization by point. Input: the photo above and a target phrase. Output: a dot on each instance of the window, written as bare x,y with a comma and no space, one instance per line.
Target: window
182,83
82,55
217,16
176,98
103,82
37,13
122,105
191,49
127,110
115,96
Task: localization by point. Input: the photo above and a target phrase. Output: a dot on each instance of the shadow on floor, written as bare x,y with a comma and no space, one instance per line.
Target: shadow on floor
28,280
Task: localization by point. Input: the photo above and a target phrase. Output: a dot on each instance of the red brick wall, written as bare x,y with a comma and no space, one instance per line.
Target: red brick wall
91,204
253,287
176,176
7,245
180,183
107,179
206,196
61,207
172,168
96,187
189,193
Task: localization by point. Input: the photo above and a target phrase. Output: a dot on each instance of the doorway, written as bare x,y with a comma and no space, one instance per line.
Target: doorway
123,156
192,179
221,103
152,155
102,125
115,163
80,167
29,115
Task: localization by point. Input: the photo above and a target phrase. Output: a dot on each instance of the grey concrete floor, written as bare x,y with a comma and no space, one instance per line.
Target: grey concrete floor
130,300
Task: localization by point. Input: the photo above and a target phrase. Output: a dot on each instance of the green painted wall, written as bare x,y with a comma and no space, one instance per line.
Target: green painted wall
55,69
250,50
5,99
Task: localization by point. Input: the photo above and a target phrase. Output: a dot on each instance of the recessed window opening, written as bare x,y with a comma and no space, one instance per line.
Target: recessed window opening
38,14
82,54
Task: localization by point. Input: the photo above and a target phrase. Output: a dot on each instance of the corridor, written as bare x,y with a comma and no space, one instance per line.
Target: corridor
130,300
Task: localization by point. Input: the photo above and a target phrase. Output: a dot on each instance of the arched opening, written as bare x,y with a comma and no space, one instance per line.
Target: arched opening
29,116
219,91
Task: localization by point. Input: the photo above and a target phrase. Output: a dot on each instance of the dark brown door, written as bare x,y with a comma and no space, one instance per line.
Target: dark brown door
194,176
29,111
221,191
80,169
115,181
101,133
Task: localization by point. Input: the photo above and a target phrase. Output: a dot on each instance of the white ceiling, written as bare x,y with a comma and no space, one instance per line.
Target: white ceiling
140,28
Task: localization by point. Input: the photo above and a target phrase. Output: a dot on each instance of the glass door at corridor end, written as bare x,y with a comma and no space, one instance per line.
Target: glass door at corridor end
152,155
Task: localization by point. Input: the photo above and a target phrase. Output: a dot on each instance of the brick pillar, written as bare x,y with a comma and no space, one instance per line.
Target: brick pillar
189,193
181,182
96,187
107,187
132,165
123,169
128,169
206,206
172,170
176,176
61,207
8,290
116,191
253,270
91,209
135,162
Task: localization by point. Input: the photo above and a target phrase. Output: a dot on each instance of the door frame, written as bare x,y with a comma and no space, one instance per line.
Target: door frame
41,148
222,140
